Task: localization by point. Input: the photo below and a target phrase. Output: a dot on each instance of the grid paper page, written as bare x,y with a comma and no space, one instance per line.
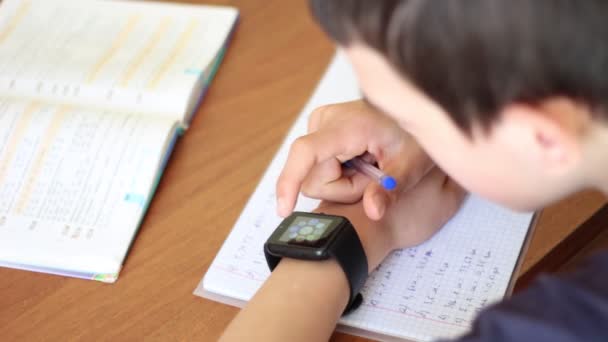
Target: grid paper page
421,293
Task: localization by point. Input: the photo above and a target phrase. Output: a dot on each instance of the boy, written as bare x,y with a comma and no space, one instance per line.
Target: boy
508,98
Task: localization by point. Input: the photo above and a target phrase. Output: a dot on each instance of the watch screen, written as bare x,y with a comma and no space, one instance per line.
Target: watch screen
306,230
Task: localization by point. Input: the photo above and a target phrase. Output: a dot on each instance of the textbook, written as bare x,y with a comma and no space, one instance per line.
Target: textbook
93,95
433,290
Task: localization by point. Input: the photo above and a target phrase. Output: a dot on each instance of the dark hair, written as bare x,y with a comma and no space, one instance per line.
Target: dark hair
473,57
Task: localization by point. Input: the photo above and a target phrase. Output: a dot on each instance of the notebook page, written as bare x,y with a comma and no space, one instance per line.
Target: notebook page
421,293
143,56
74,184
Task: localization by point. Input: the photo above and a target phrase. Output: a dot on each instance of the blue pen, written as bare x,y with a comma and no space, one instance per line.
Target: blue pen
387,182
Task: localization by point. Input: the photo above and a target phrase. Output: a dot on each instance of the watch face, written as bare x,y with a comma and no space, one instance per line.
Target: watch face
307,230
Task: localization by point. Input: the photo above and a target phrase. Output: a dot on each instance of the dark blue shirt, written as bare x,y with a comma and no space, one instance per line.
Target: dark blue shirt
569,308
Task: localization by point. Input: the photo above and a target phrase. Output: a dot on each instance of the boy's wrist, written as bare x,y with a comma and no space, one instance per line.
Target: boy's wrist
376,244
374,238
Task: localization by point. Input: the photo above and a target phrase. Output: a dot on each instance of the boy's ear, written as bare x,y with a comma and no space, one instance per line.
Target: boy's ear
549,134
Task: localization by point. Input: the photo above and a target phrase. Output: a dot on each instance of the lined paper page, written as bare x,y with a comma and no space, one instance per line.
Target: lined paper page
74,184
421,293
132,55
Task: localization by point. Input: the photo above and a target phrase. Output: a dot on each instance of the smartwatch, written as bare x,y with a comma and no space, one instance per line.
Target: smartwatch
309,236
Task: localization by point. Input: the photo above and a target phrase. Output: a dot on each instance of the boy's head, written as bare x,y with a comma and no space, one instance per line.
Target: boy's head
509,97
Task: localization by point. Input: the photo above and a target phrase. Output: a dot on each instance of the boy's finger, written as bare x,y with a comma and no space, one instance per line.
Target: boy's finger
304,154
407,171
374,203
343,190
321,174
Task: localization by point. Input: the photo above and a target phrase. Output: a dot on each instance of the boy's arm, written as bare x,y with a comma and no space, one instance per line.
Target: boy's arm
303,300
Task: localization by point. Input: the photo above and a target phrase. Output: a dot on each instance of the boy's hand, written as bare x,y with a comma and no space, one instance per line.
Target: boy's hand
413,218
341,132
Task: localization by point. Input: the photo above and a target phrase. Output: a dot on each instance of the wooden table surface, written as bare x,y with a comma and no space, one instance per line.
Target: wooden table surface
276,58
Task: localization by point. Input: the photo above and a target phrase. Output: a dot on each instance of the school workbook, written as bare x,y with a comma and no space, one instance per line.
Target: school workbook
92,97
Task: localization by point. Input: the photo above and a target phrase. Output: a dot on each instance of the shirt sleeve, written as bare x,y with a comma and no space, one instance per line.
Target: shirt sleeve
569,308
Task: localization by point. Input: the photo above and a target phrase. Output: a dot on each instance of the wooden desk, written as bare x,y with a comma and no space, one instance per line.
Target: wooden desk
270,70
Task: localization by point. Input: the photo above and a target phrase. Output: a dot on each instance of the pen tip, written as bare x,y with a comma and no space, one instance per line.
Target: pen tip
389,183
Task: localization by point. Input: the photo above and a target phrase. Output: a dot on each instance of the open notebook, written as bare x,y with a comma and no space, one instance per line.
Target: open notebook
92,97
421,293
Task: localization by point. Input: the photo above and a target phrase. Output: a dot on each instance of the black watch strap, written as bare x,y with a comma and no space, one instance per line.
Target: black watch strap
348,250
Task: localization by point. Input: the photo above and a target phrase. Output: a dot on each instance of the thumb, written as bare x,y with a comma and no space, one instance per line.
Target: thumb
407,169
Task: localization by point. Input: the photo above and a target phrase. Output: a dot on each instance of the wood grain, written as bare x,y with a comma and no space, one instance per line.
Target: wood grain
597,245
557,222
276,58
589,238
